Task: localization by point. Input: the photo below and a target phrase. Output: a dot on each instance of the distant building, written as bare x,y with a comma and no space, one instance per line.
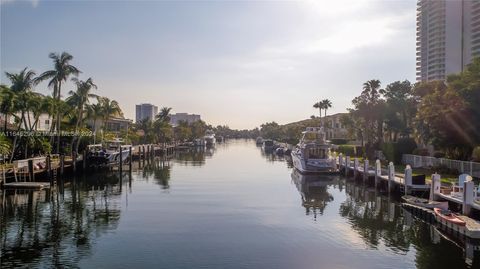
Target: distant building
334,128
113,124
190,118
43,124
448,37
145,111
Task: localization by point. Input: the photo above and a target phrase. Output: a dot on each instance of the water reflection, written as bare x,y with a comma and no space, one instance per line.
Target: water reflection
233,203
383,223
314,192
56,228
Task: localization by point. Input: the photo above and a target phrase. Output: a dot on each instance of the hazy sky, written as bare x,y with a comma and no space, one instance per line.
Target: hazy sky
233,62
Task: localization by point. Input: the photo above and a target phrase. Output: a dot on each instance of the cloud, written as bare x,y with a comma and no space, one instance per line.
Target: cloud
34,2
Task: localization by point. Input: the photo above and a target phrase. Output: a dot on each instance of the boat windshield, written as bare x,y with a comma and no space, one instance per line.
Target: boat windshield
312,137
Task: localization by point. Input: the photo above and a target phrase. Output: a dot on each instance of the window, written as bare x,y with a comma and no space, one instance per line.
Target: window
47,122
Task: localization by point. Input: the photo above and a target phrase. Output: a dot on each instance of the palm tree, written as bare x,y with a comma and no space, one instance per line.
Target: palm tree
7,103
326,104
164,114
22,85
79,99
61,72
95,112
319,105
110,108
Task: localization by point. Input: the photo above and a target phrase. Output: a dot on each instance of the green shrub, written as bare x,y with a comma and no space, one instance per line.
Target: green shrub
438,154
476,154
421,152
338,141
350,150
388,150
394,151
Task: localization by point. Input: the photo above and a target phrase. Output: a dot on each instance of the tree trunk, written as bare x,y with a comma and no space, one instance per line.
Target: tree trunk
58,116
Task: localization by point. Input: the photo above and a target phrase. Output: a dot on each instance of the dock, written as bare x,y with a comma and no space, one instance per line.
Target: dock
470,230
27,185
403,182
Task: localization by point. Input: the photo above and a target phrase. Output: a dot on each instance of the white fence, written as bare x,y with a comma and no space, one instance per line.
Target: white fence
415,161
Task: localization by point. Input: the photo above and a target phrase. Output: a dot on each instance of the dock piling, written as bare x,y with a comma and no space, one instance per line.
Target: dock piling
407,179
365,171
391,176
468,187
31,174
355,168
130,159
378,172
435,187
347,165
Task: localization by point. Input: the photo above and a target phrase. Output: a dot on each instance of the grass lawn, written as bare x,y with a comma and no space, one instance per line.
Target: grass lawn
445,178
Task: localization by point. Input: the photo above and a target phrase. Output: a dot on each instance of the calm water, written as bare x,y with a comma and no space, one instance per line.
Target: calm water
231,207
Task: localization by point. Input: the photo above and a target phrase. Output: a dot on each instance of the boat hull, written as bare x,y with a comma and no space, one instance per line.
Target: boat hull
424,202
312,166
452,218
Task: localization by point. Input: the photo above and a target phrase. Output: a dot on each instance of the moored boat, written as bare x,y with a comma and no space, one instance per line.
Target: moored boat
448,216
425,203
268,145
209,138
312,154
108,153
259,140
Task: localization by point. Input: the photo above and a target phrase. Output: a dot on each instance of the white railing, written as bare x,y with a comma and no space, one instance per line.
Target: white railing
416,161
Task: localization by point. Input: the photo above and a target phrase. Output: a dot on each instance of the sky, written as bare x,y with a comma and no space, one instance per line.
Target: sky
236,63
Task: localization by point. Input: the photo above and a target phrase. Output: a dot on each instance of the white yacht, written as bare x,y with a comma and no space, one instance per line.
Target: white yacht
312,154
108,153
209,138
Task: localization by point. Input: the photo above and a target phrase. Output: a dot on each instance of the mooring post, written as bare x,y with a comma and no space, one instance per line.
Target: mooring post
407,179
378,172
355,168
365,170
31,174
391,176
347,165
120,161
468,196
62,164
435,187
130,158
48,163
74,161
84,160
142,151
340,161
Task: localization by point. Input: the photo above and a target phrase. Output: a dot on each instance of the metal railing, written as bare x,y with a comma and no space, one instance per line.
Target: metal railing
416,161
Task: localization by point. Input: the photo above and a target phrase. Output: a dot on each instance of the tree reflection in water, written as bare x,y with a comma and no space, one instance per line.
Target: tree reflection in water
384,224
159,168
56,228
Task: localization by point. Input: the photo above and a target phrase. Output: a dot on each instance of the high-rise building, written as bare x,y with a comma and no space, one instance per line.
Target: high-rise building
144,111
448,37
176,118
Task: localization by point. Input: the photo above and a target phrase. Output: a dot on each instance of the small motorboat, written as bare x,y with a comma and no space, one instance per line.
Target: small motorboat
425,203
449,216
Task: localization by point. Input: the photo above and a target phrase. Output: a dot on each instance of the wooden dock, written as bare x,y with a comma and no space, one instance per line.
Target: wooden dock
403,182
27,185
470,230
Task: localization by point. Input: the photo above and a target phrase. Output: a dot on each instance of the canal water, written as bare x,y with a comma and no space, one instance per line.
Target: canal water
229,207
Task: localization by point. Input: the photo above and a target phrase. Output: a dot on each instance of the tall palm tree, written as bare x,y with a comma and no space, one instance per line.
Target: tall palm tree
110,108
326,104
22,85
79,99
319,105
60,73
164,114
7,103
95,112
